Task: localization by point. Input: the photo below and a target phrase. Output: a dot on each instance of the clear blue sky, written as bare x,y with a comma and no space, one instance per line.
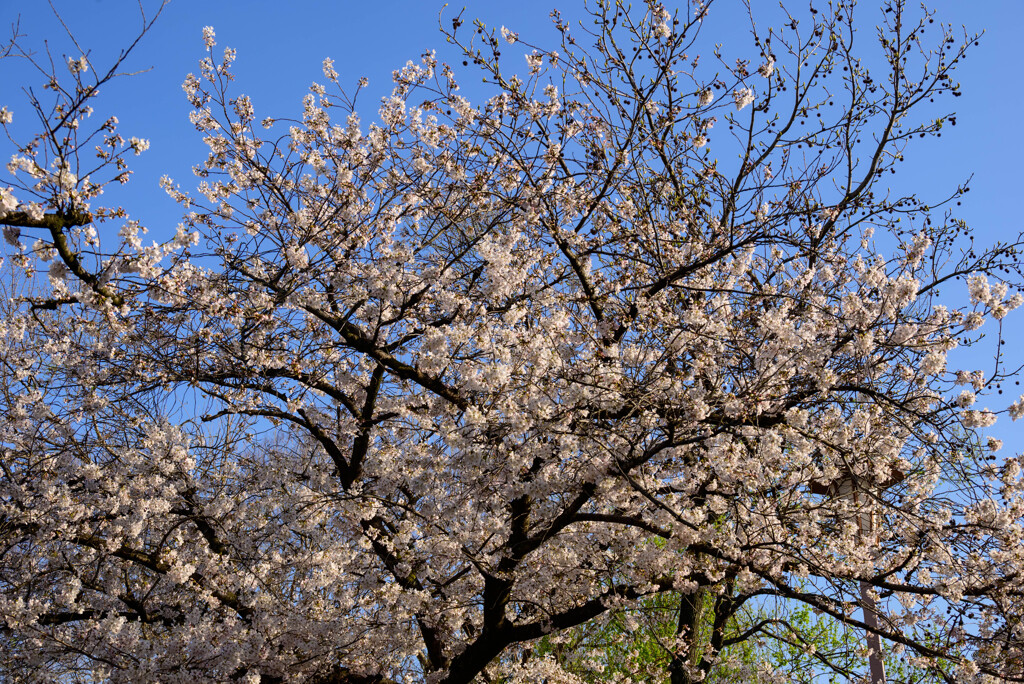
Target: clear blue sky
281,45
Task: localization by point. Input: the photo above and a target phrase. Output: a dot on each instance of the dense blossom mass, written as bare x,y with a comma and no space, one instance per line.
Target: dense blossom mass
634,370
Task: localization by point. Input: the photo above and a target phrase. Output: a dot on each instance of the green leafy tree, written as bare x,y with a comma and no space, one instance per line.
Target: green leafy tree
786,641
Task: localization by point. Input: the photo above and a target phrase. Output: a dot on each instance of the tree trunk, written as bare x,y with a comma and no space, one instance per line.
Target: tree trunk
688,632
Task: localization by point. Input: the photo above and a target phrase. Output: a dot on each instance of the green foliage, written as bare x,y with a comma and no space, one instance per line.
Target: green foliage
793,642
630,643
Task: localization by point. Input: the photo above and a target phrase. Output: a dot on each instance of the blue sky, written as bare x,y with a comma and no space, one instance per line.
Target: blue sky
281,46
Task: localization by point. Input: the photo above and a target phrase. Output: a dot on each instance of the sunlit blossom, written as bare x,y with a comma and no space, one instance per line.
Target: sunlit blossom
743,97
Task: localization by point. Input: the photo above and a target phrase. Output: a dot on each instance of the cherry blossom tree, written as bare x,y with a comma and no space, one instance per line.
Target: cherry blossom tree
414,399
